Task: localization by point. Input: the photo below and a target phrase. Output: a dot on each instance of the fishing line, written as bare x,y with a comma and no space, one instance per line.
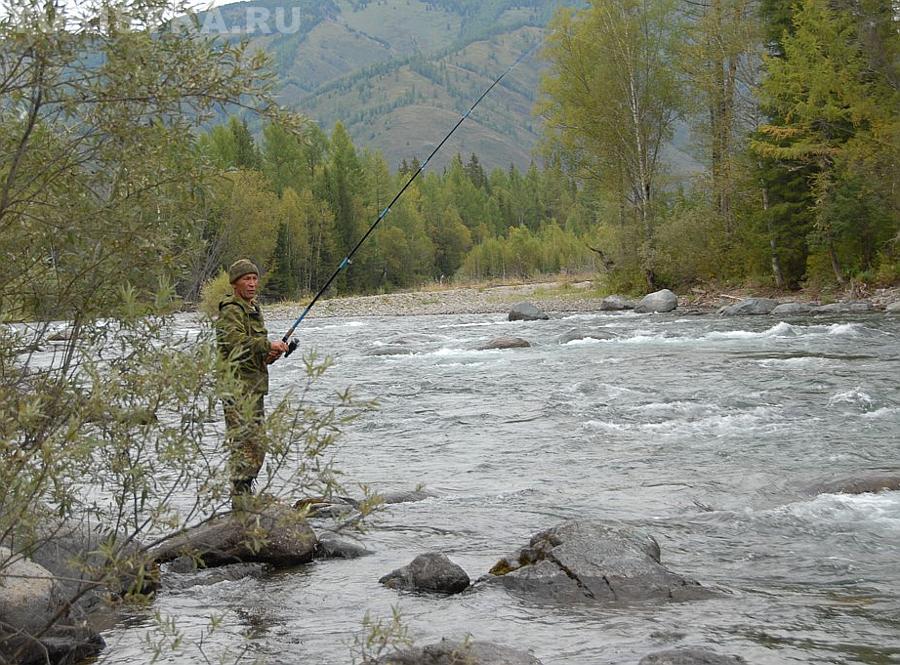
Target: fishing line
345,263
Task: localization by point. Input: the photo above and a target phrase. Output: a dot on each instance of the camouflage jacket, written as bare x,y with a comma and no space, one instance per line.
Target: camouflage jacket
241,335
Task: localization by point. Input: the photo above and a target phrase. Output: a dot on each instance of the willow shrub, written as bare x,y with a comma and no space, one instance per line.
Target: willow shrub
125,433
116,425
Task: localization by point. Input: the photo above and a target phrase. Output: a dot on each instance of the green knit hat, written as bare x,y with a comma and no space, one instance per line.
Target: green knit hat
240,268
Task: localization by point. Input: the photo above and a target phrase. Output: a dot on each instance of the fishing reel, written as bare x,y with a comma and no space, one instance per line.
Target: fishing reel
293,344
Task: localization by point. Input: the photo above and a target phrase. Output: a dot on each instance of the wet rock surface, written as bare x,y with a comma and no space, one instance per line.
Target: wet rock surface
331,546
690,657
276,535
505,343
582,561
183,573
577,334
432,571
449,652
869,483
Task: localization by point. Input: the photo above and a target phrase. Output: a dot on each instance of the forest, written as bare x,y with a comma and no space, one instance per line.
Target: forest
792,113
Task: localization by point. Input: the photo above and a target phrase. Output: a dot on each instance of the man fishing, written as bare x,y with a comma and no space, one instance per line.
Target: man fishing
242,340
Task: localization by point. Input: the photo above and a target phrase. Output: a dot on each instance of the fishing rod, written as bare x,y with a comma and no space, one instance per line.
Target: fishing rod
345,263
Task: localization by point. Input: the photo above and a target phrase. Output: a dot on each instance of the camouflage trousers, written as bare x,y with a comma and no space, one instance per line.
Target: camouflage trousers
245,440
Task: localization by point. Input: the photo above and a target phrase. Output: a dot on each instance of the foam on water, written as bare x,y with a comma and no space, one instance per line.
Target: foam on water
802,361
780,329
855,396
343,324
884,412
758,419
882,509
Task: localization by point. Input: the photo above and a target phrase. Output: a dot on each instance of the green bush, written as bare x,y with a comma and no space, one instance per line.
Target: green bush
213,291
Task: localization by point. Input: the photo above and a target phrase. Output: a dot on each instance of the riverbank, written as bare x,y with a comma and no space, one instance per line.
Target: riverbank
551,296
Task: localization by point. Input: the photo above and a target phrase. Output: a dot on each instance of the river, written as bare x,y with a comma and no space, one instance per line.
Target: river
703,431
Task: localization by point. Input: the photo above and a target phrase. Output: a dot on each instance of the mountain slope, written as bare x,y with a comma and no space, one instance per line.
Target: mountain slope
399,73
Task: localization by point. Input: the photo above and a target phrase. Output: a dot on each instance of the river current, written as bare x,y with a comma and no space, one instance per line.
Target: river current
705,432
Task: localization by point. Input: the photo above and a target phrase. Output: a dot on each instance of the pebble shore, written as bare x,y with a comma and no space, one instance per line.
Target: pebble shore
552,297
482,300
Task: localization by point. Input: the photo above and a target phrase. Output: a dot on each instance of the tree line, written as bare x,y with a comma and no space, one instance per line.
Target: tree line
297,204
793,112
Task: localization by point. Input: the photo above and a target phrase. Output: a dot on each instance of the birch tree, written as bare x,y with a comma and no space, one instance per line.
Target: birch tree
611,99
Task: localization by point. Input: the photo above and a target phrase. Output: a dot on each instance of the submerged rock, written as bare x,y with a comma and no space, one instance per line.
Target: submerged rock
276,535
432,571
690,657
505,343
390,350
525,311
593,561
658,301
405,496
750,307
449,652
184,574
872,483
332,547
575,334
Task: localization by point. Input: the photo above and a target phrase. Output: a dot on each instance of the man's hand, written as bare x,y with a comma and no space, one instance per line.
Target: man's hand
276,349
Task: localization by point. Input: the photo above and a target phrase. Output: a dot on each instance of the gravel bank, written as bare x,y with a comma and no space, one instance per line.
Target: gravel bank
552,297
483,300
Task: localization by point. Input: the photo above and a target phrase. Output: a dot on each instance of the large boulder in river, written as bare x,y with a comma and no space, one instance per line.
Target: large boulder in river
505,343
274,534
592,561
432,571
868,483
750,307
525,311
690,657
449,652
31,603
659,301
